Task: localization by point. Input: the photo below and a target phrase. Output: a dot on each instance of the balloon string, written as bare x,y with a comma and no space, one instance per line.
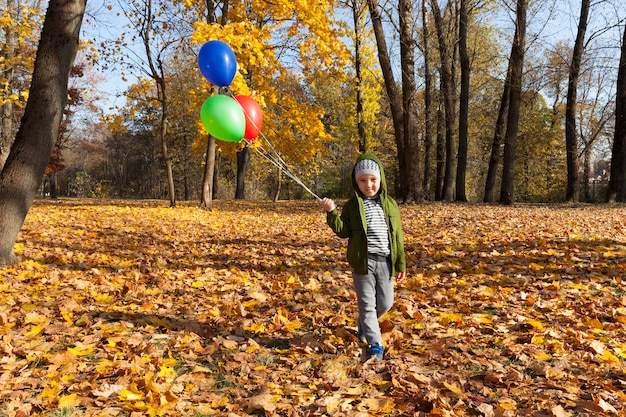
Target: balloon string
274,157
277,162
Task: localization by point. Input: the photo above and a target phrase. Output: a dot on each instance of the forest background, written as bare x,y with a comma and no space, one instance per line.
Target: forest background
315,69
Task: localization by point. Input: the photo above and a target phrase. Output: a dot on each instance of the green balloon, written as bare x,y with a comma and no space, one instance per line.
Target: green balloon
223,117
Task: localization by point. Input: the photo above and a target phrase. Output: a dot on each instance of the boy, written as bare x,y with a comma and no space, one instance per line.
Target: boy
371,221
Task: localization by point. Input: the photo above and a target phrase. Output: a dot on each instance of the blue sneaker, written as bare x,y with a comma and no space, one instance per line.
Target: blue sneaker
376,350
360,335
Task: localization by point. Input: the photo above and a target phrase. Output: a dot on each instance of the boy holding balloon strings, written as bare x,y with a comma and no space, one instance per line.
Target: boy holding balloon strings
370,220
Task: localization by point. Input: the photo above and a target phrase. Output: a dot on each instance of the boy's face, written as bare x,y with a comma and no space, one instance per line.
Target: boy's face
368,185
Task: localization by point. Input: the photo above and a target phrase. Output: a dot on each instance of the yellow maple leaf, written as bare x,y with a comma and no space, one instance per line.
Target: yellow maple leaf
621,351
508,404
166,372
35,318
69,401
482,319
170,362
35,330
608,357
128,395
536,324
595,324
543,356
51,392
249,303
105,366
447,318
454,388
103,298
67,316
255,328
81,350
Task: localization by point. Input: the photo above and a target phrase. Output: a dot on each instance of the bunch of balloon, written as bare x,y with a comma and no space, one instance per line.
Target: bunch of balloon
224,117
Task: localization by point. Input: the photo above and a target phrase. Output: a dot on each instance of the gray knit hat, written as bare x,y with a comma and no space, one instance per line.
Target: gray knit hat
366,166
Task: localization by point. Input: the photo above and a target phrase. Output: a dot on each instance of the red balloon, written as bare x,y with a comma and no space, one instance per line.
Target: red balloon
254,116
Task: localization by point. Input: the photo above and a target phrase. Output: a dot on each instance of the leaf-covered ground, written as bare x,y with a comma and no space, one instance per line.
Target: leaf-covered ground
131,308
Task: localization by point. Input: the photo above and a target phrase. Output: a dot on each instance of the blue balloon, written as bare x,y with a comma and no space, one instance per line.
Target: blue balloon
217,63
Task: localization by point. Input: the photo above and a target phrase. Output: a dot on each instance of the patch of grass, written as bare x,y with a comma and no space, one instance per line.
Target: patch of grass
265,359
65,412
210,365
222,382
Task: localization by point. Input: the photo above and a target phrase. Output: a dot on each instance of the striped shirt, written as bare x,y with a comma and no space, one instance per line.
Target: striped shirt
377,236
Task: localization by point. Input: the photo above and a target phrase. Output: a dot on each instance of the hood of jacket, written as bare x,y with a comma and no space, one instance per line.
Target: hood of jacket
383,182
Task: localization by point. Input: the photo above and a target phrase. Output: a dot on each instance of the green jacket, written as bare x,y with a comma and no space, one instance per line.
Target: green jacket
352,224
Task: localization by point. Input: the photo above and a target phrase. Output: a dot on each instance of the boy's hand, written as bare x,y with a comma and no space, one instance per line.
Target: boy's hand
400,276
328,204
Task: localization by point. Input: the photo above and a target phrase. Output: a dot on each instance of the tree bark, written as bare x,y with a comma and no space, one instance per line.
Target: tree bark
6,109
447,88
53,186
209,181
428,105
571,139
206,200
164,149
512,125
414,191
35,139
498,139
440,155
461,167
243,161
617,182
587,156
158,75
360,122
392,93
279,184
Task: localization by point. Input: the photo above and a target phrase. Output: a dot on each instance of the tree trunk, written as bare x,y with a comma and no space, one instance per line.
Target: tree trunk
512,125
498,139
428,105
186,173
587,161
461,167
39,129
216,175
53,186
617,182
392,93
441,156
206,200
571,140
279,183
243,162
414,191
447,88
209,181
360,122
158,75
164,148
6,108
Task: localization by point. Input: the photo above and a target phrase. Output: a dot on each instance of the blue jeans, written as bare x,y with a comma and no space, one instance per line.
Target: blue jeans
374,293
